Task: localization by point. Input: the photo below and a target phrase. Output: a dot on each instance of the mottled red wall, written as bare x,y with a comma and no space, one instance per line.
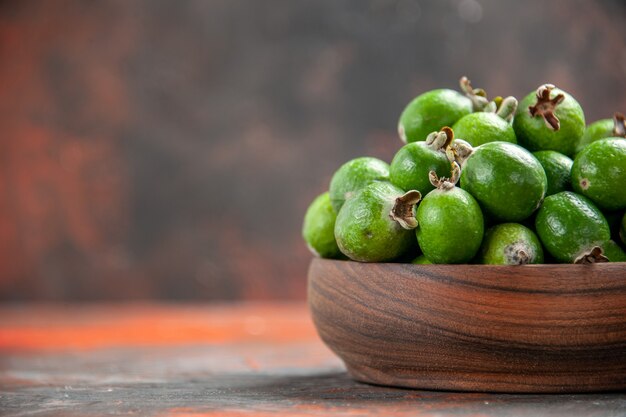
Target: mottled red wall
169,149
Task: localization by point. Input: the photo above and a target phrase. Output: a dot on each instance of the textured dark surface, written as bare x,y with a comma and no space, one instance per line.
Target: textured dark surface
267,361
169,149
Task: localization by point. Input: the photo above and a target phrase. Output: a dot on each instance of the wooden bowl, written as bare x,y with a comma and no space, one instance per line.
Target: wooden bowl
532,328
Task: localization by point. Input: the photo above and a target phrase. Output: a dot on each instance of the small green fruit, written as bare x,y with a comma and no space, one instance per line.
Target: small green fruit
450,223
571,228
599,173
549,119
318,229
483,127
602,129
375,225
412,163
421,260
506,179
558,169
614,252
431,111
354,175
510,244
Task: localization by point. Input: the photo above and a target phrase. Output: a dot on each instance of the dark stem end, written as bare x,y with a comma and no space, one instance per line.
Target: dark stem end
444,183
595,255
403,210
545,106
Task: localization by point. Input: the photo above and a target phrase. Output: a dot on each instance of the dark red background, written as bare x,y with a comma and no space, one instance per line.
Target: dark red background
165,149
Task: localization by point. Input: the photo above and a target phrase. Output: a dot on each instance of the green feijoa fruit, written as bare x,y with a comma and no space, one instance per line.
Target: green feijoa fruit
506,179
602,129
421,260
614,252
318,229
622,230
549,119
431,111
599,173
510,244
483,127
557,168
571,228
375,225
354,175
410,166
450,225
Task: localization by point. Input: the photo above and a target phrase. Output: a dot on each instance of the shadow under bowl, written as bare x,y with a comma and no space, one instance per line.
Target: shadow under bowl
526,329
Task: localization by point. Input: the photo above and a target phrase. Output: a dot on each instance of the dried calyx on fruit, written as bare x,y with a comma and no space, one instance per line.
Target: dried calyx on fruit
459,151
403,210
619,125
546,106
595,255
439,141
505,107
444,183
478,96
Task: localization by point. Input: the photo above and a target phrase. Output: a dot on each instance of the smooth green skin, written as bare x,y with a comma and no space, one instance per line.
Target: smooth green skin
614,252
557,168
599,173
365,232
479,128
503,242
450,226
535,135
431,111
318,229
410,167
506,179
569,225
421,260
353,176
622,230
600,129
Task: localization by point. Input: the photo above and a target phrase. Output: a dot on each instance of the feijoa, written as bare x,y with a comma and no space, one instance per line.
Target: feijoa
483,127
410,166
510,244
599,173
375,225
450,224
421,260
431,111
558,169
549,119
602,129
572,228
354,175
318,229
506,179
614,252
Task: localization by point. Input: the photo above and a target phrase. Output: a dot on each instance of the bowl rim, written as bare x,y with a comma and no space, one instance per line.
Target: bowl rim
537,278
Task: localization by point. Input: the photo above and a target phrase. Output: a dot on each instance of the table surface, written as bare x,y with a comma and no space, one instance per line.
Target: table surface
214,360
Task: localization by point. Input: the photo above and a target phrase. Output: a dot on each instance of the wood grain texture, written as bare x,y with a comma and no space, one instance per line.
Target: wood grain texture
540,328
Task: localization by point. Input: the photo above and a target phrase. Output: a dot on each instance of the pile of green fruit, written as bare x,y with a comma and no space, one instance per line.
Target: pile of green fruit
482,181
